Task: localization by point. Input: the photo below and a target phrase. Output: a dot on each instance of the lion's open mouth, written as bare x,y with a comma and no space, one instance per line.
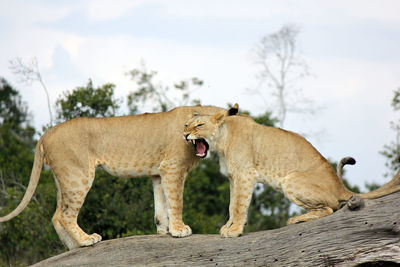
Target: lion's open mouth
201,146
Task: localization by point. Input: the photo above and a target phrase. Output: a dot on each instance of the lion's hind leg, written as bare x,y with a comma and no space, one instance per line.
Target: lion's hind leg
311,215
160,207
71,194
314,197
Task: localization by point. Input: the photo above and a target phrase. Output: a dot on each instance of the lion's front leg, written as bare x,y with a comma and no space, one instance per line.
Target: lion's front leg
243,187
172,181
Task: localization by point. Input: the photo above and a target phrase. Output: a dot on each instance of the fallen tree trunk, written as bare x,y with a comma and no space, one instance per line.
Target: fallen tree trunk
367,234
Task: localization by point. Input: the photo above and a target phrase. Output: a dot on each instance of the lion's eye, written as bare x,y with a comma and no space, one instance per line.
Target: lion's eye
201,124
186,125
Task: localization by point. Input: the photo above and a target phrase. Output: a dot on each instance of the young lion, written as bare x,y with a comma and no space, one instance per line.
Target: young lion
128,146
250,153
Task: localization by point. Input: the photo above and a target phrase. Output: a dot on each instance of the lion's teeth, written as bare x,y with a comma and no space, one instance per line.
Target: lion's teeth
193,142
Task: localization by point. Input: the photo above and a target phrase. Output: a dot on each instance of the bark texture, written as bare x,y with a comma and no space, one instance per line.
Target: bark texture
365,235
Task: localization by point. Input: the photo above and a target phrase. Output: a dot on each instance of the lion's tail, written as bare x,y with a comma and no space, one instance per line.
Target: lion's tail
388,188
35,175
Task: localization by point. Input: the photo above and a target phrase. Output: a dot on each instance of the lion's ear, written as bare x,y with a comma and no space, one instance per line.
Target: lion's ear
233,110
219,117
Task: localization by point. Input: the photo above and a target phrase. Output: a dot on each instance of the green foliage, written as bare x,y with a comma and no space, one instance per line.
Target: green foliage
392,150
352,188
372,186
266,119
12,110
87,101
30,235
117,207
269,209
16,156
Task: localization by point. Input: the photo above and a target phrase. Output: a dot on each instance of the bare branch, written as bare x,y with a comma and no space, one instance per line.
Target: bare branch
29,73
281,66
366,236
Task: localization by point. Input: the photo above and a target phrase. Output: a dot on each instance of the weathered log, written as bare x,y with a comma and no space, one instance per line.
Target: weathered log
367,235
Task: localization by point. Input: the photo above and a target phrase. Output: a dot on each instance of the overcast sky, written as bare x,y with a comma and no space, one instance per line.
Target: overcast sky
351,47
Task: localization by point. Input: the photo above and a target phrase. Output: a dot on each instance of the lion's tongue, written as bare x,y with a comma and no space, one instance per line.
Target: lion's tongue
200,147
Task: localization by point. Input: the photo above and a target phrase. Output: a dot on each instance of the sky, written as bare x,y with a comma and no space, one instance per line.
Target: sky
351,47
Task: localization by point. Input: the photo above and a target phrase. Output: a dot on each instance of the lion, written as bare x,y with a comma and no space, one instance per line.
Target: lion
250,152
149,144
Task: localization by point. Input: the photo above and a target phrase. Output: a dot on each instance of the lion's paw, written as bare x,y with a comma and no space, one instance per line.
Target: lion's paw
180,231
224,231
90,240
225,228
234,231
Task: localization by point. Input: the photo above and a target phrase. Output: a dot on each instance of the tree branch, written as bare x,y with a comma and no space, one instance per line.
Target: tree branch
29,73
345,238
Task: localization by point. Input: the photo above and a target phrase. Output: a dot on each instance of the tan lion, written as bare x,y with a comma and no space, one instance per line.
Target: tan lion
128,146
250,153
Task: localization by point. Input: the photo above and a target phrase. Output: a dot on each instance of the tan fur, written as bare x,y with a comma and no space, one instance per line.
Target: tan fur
129,146
250,153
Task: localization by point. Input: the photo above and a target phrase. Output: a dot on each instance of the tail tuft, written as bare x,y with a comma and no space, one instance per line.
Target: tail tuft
348,161
344,161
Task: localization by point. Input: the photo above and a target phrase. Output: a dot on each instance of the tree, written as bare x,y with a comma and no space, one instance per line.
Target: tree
16,134
29,236
392,150
281,66
87,101
160,98
29,73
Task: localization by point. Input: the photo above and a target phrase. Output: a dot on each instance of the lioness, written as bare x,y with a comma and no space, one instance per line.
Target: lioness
128,146
250,153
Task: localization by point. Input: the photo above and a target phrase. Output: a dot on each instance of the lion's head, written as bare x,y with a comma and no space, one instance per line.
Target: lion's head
199,130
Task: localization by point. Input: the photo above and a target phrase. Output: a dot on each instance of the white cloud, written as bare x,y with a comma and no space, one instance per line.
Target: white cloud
380,10
72,44
19,14
323,11
110,9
